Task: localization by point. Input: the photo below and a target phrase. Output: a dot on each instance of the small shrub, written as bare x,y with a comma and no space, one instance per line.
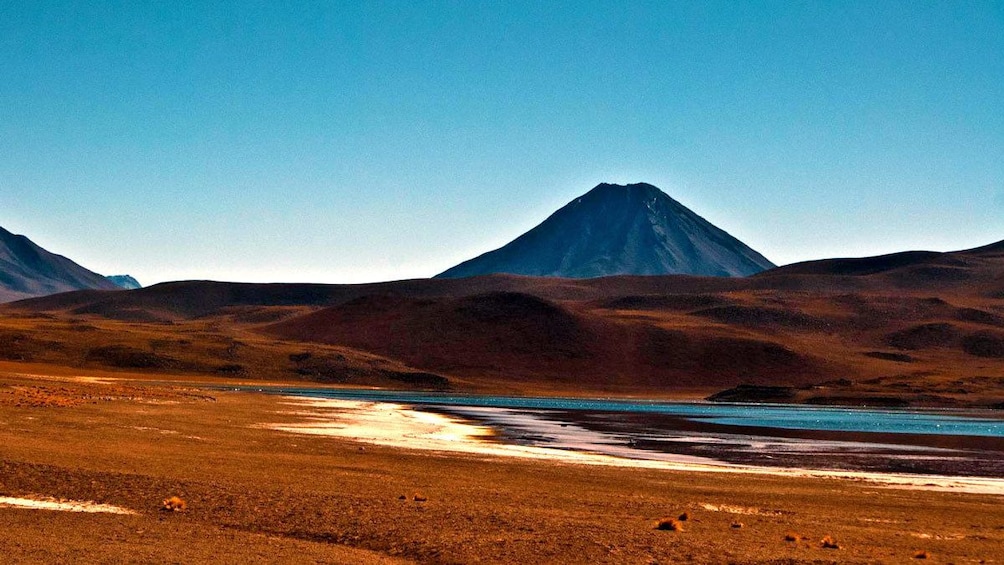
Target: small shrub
231,369
684,517
299,357
921,555
828,543
126,357
419,497
174,504
737,525
670,524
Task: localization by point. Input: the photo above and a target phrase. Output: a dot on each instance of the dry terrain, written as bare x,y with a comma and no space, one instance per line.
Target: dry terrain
96,406
257,495
906,329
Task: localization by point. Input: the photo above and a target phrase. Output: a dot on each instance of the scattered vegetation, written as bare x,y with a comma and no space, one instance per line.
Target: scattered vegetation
327,368
924,336
984,344
418,379
231,369
829,543
17,346
40,397
886,356
126,357
670,524
754,393
174,504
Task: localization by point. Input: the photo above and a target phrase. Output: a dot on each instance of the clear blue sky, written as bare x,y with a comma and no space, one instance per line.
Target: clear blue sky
363,141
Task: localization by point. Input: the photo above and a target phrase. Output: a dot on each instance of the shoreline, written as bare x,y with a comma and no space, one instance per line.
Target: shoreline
258,495
401,426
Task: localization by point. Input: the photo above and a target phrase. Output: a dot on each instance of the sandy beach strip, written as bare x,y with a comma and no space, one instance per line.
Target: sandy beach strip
401,426
62,505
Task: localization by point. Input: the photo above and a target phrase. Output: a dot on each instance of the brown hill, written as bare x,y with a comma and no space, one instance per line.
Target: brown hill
923,328
515,337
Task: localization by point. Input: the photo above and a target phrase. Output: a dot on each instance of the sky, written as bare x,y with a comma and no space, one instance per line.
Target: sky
347,142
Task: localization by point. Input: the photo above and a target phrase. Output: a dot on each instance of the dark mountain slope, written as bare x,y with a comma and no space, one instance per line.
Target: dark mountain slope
922,328
126,282
616,230
27,270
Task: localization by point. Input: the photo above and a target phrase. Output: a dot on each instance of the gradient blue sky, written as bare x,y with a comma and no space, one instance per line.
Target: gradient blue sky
364,141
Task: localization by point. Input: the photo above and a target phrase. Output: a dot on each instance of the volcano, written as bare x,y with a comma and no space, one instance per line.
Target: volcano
634,229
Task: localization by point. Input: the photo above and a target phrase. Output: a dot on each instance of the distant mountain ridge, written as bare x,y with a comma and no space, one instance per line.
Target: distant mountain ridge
900,328
126,282
633,229
27,270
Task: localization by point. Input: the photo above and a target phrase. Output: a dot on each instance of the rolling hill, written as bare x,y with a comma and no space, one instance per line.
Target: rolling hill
914,328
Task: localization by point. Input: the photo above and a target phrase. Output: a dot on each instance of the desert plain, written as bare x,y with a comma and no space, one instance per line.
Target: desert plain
255,494
119,399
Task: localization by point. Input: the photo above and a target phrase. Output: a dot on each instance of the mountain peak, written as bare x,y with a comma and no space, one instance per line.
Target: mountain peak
638,189
633,229
126,282
27,270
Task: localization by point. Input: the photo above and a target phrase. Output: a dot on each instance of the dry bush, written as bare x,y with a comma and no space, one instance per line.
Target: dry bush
232,369
126,357
419,497
174,504
684,517
793,537
921,555
737,525
828,543
671,524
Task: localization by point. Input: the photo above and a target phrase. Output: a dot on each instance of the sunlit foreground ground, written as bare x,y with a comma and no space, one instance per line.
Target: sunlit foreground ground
269,481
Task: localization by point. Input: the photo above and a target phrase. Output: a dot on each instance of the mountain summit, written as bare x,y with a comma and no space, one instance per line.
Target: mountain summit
27,270
614,229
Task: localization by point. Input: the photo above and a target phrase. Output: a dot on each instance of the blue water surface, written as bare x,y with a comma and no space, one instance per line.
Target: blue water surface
784,416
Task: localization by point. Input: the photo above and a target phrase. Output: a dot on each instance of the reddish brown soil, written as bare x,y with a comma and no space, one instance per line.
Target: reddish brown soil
255,495
914,328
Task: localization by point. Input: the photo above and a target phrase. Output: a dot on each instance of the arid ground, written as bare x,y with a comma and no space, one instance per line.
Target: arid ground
97,405
259,495
912,329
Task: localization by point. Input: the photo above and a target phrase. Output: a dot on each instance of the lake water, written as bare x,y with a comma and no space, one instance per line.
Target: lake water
927,441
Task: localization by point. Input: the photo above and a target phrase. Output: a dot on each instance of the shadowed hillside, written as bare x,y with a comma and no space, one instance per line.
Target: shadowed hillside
27,270
616,230
517,337
913,328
